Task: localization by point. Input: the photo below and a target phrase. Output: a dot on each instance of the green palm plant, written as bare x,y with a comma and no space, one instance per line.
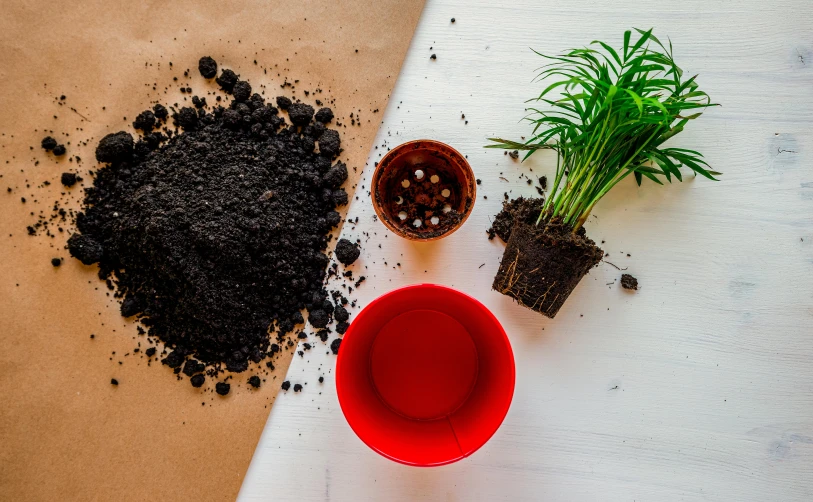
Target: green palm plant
615,112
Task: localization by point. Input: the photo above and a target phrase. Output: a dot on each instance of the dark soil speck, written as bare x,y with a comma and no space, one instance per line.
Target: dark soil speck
300,113
115,147
48,143
347,252
227,80
207,67
629,282
68,179
283,103
324,115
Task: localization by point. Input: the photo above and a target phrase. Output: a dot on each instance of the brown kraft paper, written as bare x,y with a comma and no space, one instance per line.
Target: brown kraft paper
65,431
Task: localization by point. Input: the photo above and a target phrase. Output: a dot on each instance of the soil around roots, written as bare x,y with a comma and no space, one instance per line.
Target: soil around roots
542,264
527,210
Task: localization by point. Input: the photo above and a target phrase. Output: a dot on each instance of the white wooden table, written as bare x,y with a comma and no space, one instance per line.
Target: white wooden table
697,387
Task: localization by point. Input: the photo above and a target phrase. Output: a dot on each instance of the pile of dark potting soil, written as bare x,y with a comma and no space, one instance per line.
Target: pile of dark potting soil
219,231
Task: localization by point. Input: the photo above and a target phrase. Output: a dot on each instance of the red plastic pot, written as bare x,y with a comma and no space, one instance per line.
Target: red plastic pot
425,375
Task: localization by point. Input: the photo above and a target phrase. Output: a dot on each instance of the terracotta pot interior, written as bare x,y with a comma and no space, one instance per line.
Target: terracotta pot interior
416,166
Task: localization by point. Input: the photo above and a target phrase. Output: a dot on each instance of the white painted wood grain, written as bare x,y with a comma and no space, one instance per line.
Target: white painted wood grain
699,386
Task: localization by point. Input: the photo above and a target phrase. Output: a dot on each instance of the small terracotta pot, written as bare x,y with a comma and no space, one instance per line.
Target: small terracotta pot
398,189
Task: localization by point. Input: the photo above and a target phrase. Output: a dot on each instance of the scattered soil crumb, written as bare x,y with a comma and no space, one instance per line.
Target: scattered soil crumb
347,252
629,282
68,179
48,143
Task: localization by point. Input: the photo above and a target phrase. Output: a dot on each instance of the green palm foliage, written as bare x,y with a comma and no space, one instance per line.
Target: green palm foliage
613,115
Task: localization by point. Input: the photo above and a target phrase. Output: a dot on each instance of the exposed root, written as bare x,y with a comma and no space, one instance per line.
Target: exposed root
614,265
541,299
511,277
